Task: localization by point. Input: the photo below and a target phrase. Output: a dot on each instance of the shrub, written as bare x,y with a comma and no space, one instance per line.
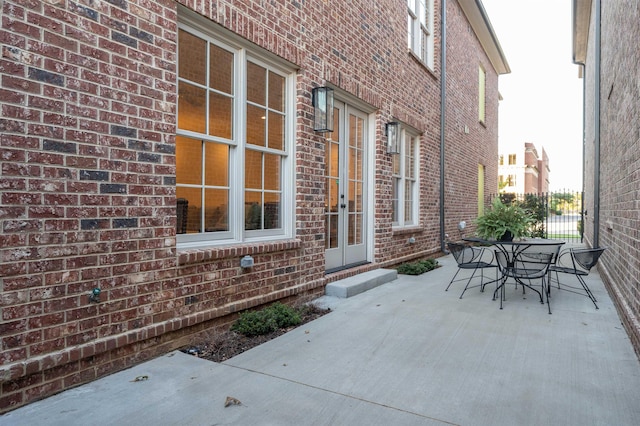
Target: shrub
417,268
267,320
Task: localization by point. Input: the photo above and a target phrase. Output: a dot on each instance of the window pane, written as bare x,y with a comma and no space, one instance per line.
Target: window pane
188,161
355,228
252,211
192,57
276,92
276,130
221,69
408,202
256,83
421,12
272,211
331,231
217,164
410,32
220,116
395,164
191,107
189,203
394,199
272,172
409,163
253,169
216,214
256,125
481,94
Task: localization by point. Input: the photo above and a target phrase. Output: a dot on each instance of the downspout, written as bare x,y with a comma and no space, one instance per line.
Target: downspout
596,172
596,118
443,92
584,148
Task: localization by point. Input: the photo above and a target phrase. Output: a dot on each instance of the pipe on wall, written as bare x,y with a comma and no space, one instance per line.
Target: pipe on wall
596,161
443,100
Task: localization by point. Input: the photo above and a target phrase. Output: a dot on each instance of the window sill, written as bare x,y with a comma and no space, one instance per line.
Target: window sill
407,230
421,62
198,255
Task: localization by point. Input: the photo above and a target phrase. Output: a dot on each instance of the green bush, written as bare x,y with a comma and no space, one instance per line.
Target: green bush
267,320
417,268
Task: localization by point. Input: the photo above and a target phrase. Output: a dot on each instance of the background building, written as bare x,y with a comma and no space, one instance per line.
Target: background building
524,171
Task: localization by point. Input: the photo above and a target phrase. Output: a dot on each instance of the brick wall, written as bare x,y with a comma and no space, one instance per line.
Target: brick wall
468,142
88,121
619,139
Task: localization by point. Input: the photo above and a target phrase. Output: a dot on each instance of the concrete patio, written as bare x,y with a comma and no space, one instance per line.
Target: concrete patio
403,353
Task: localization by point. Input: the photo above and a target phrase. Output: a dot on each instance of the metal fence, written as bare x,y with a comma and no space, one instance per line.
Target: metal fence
557,215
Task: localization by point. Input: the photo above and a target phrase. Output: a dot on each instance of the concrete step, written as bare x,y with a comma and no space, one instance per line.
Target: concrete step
360,283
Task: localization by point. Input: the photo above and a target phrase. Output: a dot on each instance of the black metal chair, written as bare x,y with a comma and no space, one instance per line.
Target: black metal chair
471,258
525,265
581,262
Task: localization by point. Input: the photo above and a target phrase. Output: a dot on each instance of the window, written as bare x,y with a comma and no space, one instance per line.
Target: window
482,77
420,26
512,159
232,143
501,160
405,181
511,180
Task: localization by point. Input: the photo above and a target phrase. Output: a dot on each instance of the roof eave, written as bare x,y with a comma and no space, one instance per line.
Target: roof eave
581,16
477,16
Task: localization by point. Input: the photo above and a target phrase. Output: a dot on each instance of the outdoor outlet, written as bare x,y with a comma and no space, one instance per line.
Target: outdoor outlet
246,262
412,240
94,296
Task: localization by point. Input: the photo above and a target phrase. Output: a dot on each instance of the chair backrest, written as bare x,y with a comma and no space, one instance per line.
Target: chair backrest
463,253
501,260
586,258
533,264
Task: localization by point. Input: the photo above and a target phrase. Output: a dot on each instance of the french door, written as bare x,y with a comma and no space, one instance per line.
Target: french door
345,188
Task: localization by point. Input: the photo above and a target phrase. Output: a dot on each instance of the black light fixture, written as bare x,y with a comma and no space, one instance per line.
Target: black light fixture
392,130
322,109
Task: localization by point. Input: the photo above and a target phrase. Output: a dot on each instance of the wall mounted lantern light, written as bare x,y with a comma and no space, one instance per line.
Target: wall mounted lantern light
322,109
392,130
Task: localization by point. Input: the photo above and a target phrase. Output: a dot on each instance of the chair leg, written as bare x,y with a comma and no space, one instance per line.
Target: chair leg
451,282
500,286
546,291
469,282
588,290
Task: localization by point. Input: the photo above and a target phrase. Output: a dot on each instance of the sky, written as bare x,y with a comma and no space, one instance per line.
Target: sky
542,96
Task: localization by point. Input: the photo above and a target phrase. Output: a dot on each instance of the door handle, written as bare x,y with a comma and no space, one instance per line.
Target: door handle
343,206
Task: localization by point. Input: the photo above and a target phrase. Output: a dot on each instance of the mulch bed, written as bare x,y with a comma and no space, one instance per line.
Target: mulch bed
223,346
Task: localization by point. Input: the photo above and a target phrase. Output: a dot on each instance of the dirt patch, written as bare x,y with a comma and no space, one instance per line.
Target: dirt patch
226,345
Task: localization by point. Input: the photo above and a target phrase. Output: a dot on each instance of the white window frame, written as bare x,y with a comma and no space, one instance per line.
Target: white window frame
400,180
482,93
420,18
243,53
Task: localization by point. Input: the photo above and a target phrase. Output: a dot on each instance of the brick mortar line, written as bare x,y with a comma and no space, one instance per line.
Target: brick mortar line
18,369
